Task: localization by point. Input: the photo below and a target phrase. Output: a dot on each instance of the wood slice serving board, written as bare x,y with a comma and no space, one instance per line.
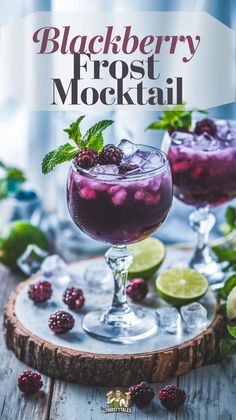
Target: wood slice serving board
77,357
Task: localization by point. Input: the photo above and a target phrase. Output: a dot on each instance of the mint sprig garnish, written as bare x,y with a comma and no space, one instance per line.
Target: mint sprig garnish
174,120
230,217
93,139
227,254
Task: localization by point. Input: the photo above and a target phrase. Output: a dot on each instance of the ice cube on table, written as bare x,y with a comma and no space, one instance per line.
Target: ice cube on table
194,316
30,261
53,266
127,147
55,269
206,142
97,274
168,319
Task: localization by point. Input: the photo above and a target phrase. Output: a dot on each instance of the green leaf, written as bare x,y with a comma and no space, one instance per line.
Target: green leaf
92,139
230,216
158,125
202,111
173,120
3,189
95,143
225,228
96,130
186,119
231,330
2,165
15,174
225,254
228,286
227,347
74,130
64,153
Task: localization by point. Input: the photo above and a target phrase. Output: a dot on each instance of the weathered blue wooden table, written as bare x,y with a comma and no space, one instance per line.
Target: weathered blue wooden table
211,390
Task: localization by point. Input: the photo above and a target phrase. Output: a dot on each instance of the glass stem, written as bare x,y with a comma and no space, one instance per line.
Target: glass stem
202,222
119,259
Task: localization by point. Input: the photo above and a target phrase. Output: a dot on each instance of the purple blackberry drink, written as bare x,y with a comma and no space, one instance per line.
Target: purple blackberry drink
121,208
120,196
204,175
203,166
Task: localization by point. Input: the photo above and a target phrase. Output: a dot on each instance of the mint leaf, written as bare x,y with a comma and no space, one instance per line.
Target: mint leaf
11,180
225,254
95,143
97,129
74,130
159,125
231,330
2,165
228,286
227,347
225,228
64,153
93,137
3,189
15,174
230,216
174,120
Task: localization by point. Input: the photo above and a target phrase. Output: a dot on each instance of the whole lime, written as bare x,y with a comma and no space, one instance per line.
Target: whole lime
14,239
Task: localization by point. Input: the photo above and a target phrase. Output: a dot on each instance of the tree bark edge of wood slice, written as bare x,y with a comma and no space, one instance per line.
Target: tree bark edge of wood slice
108,370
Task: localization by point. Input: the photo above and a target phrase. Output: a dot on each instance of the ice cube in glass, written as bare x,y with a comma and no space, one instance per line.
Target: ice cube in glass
127,147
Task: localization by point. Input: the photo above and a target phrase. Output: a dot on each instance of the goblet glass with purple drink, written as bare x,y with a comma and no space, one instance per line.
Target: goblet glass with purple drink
203,165
123,198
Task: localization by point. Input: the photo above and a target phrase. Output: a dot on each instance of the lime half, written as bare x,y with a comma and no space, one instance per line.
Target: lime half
178,286
148,256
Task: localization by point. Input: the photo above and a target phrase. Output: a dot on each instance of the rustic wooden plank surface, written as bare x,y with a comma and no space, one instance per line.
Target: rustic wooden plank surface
72,401
211,390
13,404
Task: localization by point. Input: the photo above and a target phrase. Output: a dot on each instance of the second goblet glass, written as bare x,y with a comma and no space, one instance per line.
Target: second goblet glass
204,176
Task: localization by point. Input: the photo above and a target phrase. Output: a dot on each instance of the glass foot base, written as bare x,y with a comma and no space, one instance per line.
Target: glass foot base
213,271
141,324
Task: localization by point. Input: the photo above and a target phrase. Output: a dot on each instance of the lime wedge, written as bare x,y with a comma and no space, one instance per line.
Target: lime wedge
14,239
178,286
231,304
148,256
